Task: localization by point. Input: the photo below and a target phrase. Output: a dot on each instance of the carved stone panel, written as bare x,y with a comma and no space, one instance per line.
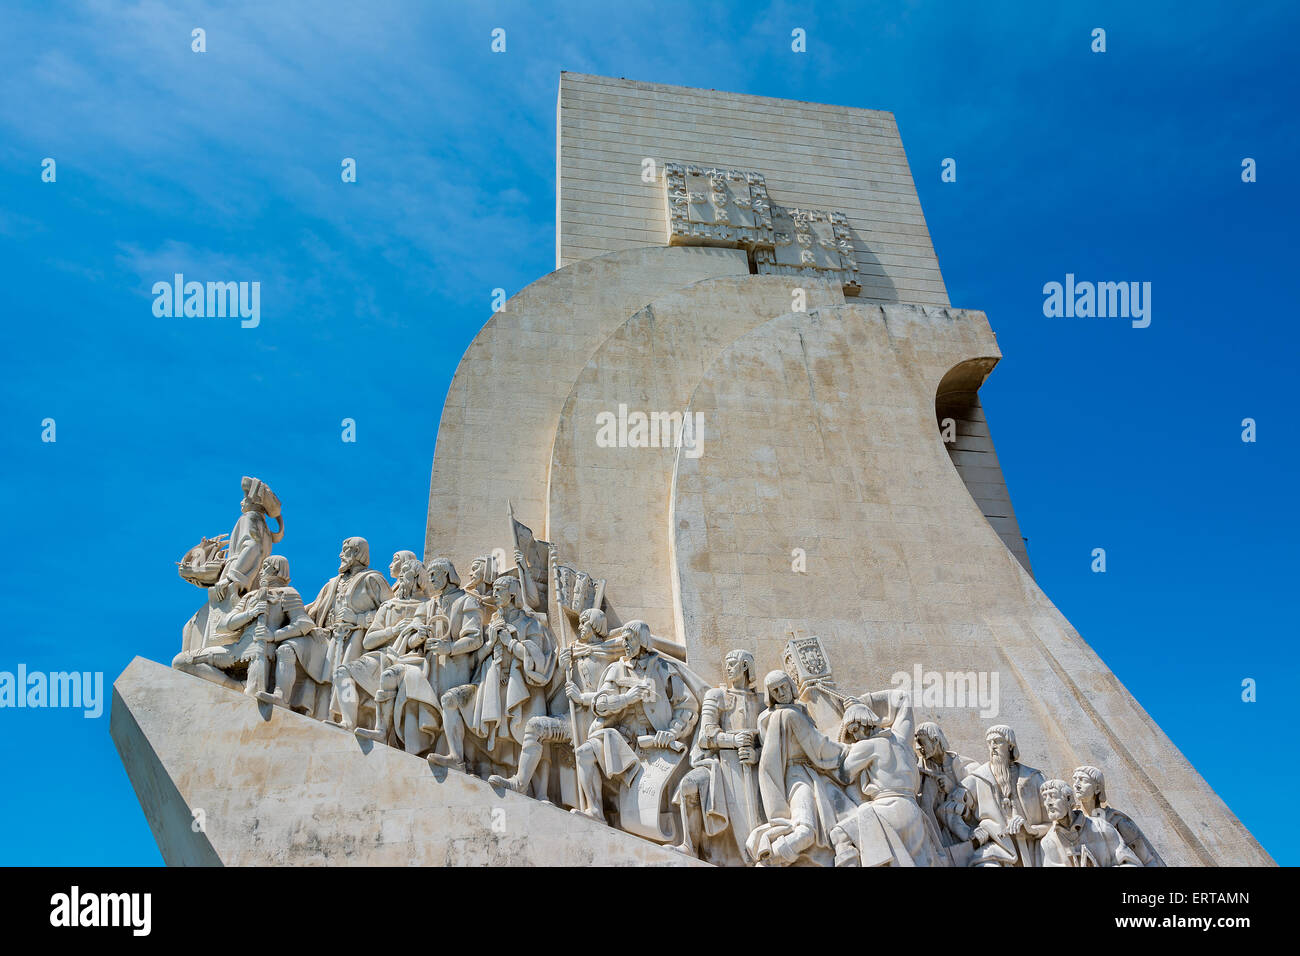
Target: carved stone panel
709,205
810,242
805,660
715,206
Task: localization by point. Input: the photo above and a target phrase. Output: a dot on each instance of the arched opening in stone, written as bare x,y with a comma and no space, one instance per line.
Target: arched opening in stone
966,436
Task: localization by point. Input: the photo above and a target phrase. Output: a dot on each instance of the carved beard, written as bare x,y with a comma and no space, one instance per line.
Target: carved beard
1001,767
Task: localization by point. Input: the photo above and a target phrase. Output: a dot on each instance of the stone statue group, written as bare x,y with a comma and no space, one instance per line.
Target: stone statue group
609,721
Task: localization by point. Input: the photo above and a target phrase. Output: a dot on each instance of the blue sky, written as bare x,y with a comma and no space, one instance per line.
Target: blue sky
1122,165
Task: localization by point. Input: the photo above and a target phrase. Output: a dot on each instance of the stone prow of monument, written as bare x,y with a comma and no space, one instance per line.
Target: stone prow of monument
259,785
772,279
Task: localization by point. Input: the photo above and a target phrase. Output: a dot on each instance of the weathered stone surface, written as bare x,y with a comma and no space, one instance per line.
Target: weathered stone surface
824,439
498,422
610,504
277,788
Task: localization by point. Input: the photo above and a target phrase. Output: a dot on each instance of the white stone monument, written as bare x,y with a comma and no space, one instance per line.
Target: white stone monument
730,460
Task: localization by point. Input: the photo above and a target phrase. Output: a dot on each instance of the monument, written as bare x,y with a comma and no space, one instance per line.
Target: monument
745,478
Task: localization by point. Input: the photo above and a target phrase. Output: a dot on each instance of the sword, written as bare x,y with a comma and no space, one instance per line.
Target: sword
440,625
573,728
747,775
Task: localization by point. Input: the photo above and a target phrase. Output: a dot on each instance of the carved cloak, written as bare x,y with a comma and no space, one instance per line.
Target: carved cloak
464,614
890,828
248,546
510,690
988,806
733,800
366,590
795,751
1085,841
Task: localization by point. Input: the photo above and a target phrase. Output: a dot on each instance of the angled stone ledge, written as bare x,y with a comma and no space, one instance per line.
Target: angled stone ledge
279,789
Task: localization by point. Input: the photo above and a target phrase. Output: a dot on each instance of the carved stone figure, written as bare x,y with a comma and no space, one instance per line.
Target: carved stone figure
800,772
243,641
888,828
395,569
941,794
645,710
451,623
1090,791
251,539
718,799
411,714
570,712
1074,838
345,607
605,723
228,566
482,575
373,677
509,687
1005,796
302,673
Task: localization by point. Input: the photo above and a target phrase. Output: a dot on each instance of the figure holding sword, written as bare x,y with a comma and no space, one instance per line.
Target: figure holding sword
719,800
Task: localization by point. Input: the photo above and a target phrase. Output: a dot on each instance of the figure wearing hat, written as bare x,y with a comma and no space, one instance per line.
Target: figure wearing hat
250,540
227,568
